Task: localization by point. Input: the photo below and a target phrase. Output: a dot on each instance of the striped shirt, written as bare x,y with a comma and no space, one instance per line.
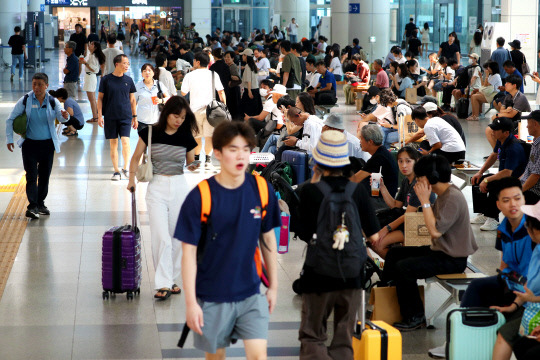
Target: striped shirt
168,152
533,166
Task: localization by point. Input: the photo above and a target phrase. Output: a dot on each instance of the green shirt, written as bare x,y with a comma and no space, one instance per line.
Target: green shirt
291,61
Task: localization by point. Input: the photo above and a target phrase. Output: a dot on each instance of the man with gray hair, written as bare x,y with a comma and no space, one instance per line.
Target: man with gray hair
335,122
71,70
381,161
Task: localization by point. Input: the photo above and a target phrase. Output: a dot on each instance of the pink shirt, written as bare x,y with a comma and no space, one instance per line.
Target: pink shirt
382,79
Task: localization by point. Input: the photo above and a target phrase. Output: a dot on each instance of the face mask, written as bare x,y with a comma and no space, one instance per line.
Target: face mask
470,61
373,101
263,92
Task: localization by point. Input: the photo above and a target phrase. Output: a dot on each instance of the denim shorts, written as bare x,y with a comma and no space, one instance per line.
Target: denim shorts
247,320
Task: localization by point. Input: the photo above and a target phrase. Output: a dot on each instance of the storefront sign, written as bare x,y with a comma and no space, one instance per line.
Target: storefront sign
67,2
139,2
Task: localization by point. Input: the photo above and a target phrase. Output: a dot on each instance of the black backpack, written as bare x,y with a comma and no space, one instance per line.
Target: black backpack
321,256
464,78
51,101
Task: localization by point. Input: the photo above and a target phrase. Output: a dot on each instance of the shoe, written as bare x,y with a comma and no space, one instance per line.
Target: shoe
125,173
43,210
416,322
208,161
32,214
473,118
12,76
175,290
479,219
490,225
163,294
116,176
438,352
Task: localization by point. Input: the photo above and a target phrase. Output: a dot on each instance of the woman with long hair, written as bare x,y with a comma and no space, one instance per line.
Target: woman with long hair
490,87
134,39
233,99
172,145
393,219
425,38
93,62
76,117
407,82
148,98
305,103
476,43
251,103
164,76
335,63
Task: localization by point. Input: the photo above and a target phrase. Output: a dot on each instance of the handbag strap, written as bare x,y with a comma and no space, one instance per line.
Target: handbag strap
213,87
159,87
149,142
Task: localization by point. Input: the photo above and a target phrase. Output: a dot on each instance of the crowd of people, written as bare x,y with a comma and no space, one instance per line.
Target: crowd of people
272,88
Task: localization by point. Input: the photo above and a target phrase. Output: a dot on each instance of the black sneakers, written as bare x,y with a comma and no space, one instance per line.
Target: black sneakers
42,210
32,213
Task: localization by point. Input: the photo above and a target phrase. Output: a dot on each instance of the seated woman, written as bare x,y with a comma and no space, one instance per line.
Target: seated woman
513,336
405,201
76,120
490,88
400,87
452,240
446,74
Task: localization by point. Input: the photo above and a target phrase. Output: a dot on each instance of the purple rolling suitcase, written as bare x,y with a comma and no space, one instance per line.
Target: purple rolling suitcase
121,258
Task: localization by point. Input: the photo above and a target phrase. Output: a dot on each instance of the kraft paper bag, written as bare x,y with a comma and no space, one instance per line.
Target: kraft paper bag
385,304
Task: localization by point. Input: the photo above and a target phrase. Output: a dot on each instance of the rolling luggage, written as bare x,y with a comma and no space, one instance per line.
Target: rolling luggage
121,258
376,340
462,107
299,161
471,333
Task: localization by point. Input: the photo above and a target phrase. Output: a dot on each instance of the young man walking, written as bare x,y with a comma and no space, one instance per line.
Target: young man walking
18,52
117,103
219,274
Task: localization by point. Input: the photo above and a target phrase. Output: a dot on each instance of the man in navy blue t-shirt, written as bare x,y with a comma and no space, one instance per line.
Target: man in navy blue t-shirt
222,286
325,92
117,103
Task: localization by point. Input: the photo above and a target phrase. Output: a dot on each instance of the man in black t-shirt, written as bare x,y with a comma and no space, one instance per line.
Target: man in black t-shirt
409,28
415,45
18,52
82,43
450,49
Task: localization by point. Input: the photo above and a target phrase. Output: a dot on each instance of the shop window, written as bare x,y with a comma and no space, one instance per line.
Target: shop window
261,18
236,2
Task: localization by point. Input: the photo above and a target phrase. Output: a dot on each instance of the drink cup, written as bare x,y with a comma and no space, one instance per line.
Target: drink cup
530,138
375,184
154,100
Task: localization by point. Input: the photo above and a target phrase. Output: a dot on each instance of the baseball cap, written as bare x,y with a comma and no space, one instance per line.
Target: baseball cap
279,89
475,55
532,115
247,52
373,91
334,121
502,123
429,106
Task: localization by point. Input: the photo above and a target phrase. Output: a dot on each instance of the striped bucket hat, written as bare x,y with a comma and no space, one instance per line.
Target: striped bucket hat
332,149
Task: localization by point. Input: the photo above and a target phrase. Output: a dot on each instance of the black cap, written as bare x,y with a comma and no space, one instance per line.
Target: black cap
516,44
502,123
535,115
373,91
427,99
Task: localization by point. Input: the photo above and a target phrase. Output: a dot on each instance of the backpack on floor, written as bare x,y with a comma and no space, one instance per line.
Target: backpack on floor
337,213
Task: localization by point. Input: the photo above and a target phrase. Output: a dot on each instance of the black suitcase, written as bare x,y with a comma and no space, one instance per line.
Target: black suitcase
462,107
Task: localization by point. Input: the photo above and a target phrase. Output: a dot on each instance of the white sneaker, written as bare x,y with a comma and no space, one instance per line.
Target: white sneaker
490,225
479,219
438,352
116,176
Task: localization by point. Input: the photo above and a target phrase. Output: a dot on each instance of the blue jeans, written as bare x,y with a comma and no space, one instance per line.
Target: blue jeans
14,59
389,136
271,144
293,38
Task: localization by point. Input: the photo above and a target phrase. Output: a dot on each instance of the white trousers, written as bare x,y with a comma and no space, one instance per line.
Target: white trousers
164,199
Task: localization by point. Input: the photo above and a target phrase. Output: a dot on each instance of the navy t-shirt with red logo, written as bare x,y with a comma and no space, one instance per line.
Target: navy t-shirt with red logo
227,270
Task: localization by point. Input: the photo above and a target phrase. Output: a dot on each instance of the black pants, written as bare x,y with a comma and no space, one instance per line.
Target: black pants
74,122
452,157
38,157
256,124
404,265
527,349
447,94
485,203
531,198
326,97
486,292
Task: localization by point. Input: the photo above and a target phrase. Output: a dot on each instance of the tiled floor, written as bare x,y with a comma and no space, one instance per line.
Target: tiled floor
52,306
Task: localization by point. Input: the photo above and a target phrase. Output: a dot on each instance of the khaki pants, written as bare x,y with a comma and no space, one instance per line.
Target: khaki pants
350,96
316,308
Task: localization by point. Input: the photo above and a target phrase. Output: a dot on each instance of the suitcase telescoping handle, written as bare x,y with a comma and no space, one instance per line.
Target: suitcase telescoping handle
133,208
362,310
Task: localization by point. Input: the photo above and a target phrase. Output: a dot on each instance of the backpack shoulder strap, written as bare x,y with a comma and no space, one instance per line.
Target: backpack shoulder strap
262,185
52,102
25,100
324,188
206,201
350,188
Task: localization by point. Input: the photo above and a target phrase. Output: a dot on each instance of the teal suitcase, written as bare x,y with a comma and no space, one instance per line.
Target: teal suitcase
471,333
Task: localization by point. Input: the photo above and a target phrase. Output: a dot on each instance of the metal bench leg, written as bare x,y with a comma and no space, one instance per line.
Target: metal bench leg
441,309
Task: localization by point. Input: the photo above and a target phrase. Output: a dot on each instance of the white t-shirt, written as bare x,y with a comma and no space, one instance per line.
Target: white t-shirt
293,29
495,81
355,149
450,71
110,54
311,134
271,108
198,83
118,45
313,78
401,60
93,62
438,130
478,82
166,80
336,65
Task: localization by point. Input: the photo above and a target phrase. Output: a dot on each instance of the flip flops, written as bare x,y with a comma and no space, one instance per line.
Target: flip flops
176,292
166,293
94,120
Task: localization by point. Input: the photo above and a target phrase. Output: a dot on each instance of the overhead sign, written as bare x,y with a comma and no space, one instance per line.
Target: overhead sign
354,8
41,7
67,2
139,2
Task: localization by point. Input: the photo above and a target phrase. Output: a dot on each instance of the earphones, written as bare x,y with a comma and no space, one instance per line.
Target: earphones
433,178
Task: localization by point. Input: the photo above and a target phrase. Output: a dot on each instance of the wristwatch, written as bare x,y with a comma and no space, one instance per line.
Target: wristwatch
425,206
486,180
389,228
134,116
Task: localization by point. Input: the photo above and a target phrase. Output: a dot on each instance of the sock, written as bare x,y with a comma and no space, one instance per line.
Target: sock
208,158
197,157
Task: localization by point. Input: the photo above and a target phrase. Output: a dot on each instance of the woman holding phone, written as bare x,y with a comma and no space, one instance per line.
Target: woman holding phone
172,144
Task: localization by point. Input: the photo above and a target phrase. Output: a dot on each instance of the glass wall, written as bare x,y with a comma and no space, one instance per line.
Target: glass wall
318,9
147,17
240,15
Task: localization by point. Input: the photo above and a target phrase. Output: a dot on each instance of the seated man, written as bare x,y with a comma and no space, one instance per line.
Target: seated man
474,75
325,91
516,246
442,138
381,81
312,76
514,103
449,87
531,175
360,76
452,240
270,111
335,122
381,160
312,128
509,68
512,162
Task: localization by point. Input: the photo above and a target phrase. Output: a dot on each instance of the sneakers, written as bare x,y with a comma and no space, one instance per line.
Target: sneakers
12,76
479,219
32,213
116,176
438,352
125,173
42,210
415,323
490,225
208,161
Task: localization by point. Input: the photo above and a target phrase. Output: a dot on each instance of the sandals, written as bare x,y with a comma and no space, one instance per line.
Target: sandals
473,118
163,294
93,120
73,133
175,290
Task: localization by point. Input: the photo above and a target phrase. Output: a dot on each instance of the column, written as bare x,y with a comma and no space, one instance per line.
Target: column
201,12
486,11
12,13
373,20
298,9
340,23
523,19
34,5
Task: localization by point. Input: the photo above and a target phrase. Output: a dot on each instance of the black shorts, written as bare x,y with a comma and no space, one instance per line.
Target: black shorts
115,128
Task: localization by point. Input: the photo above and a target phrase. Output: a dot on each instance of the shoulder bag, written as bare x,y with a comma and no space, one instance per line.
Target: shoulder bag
160,96
145,172
216,111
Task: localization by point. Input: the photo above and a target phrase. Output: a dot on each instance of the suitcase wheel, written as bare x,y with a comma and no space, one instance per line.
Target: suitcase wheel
105,295
138,291
129,295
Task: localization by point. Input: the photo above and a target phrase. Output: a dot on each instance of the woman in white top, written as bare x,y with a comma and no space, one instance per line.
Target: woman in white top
147,98
135,38
335,64
490,87
93,62
425,38
263,65
164,76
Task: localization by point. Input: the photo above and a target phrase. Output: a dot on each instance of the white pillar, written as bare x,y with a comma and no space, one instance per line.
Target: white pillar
34,5
523,19
486,11
373,20
298,9
12,13
201,14
340,23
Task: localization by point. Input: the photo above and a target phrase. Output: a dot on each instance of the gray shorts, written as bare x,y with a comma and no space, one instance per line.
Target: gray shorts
246,320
